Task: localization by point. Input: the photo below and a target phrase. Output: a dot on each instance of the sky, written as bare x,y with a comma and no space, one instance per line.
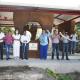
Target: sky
60,4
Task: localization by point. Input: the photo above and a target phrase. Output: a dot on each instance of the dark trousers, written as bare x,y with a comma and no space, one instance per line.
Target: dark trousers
24,51
43,51
65,50
1,50
55,47
73,47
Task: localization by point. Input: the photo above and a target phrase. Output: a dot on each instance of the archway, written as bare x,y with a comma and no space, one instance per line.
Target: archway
35,29
22,18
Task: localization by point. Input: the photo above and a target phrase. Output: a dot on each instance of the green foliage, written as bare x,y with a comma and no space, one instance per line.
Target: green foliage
78,28
51,73
58,76
7,29
64,77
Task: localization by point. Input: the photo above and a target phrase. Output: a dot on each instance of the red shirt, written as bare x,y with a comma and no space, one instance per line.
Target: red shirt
8,39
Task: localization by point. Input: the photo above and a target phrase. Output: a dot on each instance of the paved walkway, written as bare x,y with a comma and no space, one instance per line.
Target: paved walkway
60,66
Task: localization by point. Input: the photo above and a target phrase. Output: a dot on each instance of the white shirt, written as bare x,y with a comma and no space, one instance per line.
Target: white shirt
26,38
28,34
66,39
1,36
74,37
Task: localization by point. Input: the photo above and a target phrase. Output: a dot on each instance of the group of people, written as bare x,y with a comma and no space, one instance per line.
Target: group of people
15,40
20,43
56,37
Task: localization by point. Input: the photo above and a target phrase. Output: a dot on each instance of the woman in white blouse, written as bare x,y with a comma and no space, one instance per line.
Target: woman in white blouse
16,44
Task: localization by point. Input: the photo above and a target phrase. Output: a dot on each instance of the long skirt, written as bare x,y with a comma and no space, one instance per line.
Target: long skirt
16,50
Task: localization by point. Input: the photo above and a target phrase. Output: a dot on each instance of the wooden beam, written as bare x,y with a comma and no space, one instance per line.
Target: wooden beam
6,20
57,16
60,19
74,18
77,22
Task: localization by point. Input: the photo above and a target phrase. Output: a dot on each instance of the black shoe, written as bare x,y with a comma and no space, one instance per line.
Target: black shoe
67,59
8,58
62,58
22,58
58,59
26,58
1,58
52,58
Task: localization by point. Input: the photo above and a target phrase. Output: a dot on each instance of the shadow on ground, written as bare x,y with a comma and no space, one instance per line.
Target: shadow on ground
34,73
23,73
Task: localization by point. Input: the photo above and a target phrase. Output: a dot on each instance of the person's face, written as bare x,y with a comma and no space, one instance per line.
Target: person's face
73,32
17,31
9,33
24,32
43,31
56,32
66,34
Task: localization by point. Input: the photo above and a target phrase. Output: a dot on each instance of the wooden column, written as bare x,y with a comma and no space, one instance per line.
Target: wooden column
72,25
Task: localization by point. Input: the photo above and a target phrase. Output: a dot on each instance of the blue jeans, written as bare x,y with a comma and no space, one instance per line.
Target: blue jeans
25,48
55,46
65,50
43,51
65,47
73,47
8,47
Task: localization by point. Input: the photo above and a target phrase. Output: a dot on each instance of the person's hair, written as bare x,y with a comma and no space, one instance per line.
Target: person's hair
16,30
24,31
74,32
43,29
0,29
53,25
66,32
9,31
55,30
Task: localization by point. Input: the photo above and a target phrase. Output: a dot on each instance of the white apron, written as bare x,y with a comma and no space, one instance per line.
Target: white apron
16,46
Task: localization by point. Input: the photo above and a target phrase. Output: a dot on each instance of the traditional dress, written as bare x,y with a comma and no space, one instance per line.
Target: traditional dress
16,45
